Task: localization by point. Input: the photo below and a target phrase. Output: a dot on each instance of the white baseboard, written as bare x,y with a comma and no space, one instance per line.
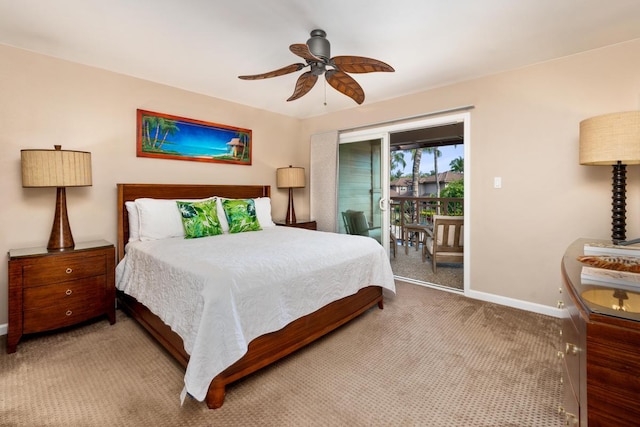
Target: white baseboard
497,299
515,303
3,329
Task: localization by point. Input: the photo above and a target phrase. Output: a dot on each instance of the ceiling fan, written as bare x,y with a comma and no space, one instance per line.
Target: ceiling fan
316,53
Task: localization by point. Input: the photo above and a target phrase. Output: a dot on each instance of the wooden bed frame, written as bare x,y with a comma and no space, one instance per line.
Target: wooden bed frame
263,350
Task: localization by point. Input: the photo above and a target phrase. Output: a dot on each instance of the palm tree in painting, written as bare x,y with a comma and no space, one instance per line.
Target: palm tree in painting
245,140
157,126
167,127
148,122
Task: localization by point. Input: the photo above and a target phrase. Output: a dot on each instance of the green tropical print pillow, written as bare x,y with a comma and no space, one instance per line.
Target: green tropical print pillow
241,215
199,219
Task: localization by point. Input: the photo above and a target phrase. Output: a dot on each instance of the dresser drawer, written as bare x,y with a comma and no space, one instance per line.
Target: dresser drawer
571,353
63,304
570,404
59,269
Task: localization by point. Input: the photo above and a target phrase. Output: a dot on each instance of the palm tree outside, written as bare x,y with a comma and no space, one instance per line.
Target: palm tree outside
398,163
457,165
436,153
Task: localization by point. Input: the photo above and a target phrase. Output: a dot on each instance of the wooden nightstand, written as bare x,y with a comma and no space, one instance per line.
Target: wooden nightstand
308,224
51,290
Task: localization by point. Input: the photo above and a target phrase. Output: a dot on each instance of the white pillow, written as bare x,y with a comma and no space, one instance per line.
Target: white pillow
134,221
263,212
160,218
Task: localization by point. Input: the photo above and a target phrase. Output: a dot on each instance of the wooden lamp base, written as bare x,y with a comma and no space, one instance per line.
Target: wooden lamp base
291,212
61,237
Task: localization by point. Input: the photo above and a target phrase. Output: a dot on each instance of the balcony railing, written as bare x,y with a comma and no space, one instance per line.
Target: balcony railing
420,210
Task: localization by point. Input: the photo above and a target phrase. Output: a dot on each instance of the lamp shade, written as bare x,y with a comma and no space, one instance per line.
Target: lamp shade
290,177
56,168
610,138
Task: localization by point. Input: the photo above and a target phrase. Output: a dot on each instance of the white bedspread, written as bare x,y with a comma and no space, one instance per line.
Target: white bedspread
219,293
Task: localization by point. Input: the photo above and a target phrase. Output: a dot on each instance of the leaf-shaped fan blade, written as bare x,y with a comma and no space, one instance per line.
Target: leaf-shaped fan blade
275,73
302,50
303,85
344,83
360,64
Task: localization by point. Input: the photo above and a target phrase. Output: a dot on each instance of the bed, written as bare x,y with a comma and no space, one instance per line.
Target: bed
264,348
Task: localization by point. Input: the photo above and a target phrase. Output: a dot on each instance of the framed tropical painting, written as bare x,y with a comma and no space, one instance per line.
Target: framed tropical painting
171,137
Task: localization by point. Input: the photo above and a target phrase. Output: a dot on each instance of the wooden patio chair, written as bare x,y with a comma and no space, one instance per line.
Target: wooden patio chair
445,241
393,242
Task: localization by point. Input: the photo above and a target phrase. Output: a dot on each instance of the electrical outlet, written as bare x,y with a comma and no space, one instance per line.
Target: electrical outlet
497,182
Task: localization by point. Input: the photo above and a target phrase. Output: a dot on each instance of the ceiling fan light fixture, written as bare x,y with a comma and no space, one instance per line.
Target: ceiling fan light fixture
319,46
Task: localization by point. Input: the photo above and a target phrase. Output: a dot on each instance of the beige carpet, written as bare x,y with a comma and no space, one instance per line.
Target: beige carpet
430,358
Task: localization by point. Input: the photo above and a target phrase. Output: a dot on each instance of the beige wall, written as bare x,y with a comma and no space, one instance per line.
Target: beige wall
524,128
44,101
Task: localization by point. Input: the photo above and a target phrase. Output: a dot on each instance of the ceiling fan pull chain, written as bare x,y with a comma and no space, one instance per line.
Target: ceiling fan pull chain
325,93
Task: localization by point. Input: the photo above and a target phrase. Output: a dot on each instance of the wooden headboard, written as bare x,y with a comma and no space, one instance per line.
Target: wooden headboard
130,192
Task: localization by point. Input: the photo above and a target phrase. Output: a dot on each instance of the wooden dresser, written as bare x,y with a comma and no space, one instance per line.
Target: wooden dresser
51,290
600,349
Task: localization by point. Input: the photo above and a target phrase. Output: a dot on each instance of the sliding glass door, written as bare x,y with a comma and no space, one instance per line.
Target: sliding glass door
363,185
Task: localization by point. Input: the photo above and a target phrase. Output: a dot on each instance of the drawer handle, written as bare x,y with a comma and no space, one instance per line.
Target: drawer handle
560,304
571,349
570,419
69,313
68,292
560,355
69,270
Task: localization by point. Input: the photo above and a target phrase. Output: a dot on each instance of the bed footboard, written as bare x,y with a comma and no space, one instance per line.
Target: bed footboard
268,348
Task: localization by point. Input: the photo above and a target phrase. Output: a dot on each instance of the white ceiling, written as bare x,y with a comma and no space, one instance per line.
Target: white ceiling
203,45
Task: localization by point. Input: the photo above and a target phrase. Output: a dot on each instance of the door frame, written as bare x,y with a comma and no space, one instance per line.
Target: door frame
383,132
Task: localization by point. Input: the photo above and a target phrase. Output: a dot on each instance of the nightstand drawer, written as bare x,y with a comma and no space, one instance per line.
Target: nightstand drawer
58,317
39,297
55,309
53,269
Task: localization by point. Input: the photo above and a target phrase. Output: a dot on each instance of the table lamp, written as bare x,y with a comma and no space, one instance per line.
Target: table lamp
613,139
290,178
57,168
